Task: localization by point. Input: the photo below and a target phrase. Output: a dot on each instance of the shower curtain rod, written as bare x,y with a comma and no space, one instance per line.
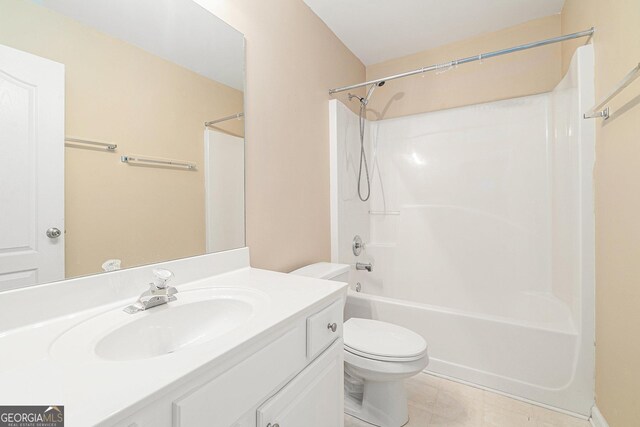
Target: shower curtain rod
479,57
224,119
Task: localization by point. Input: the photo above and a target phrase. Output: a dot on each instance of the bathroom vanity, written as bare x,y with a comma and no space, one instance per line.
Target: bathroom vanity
238,347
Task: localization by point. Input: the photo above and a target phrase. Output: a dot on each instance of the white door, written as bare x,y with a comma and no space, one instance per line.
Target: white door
315,398
224,190
31,169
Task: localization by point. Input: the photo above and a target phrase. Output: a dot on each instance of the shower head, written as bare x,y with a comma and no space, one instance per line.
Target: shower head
366,99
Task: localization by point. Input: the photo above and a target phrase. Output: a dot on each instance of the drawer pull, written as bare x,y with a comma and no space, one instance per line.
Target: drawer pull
318,338
273,425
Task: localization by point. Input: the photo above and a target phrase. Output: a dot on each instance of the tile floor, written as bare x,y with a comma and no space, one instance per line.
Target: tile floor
436,402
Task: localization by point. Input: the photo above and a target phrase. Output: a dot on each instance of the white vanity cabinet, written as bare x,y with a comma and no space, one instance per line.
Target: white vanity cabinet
292,378
310,399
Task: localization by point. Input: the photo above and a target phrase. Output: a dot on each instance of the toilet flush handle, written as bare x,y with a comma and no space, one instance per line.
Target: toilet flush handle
332,327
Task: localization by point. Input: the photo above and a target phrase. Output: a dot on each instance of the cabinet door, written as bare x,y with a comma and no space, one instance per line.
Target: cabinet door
312,399
223,400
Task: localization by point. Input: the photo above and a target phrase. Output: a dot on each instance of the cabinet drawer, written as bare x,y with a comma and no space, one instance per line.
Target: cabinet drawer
319,332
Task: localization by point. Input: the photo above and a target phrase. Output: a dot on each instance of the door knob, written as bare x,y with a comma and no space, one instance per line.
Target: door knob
54,233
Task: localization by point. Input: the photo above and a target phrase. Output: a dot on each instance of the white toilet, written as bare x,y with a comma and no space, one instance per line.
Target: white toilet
378,356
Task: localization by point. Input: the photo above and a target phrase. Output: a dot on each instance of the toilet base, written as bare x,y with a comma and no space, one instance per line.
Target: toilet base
384,404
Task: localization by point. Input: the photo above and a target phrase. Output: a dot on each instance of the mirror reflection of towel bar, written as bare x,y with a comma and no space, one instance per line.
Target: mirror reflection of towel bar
106,145
157,162
224,119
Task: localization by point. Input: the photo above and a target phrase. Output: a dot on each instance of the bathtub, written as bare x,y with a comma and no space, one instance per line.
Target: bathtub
532,354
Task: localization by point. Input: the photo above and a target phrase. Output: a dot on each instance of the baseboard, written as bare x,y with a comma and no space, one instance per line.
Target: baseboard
597,419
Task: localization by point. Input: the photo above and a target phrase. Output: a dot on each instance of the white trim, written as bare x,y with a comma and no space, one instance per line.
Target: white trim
207,193
597,419
333,176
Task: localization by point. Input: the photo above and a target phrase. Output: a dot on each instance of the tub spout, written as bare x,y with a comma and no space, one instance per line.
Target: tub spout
364,266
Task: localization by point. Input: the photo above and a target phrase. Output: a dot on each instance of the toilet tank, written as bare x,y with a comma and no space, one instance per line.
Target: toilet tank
325,270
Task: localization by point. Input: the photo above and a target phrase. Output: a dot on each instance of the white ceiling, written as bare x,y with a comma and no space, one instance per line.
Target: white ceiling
180,31
378,30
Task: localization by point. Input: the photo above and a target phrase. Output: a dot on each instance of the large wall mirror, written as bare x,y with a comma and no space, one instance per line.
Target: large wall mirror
121,136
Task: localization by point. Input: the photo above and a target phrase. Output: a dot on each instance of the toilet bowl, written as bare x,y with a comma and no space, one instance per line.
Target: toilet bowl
378,356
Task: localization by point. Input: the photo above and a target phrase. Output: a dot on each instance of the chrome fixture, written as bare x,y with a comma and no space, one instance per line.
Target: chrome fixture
75,141
54,233
605,113
332,327
357,246
364,266
157,294
479,57
363,155
147,161
224,119
364,101
358,287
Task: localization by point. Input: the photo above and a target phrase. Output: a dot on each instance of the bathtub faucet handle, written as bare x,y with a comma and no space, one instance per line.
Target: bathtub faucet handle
357,245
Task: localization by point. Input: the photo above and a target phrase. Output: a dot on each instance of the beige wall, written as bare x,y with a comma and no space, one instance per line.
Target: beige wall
617,183
116,92
293,59
519,74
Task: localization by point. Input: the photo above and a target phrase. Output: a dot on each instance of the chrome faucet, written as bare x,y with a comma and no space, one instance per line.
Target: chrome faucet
157,294
364,266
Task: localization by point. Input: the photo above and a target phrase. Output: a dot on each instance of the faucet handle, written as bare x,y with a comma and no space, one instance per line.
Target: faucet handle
162,277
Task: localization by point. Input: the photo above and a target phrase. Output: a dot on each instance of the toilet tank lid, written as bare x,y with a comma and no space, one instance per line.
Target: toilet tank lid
322,270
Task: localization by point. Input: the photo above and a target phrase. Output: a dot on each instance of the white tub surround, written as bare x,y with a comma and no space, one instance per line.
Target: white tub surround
480,230
256,371
597,419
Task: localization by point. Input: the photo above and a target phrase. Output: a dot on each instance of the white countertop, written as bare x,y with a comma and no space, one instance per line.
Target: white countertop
93,389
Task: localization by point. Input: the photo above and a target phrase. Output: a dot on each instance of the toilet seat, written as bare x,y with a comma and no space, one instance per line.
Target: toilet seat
382,358
382,341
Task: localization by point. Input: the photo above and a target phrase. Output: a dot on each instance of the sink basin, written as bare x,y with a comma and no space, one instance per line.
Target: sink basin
171,328
197,317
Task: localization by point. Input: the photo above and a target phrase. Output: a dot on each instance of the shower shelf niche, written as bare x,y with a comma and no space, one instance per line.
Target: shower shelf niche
384,212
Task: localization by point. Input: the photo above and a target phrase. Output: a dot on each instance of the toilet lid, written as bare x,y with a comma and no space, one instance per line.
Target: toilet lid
375,339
